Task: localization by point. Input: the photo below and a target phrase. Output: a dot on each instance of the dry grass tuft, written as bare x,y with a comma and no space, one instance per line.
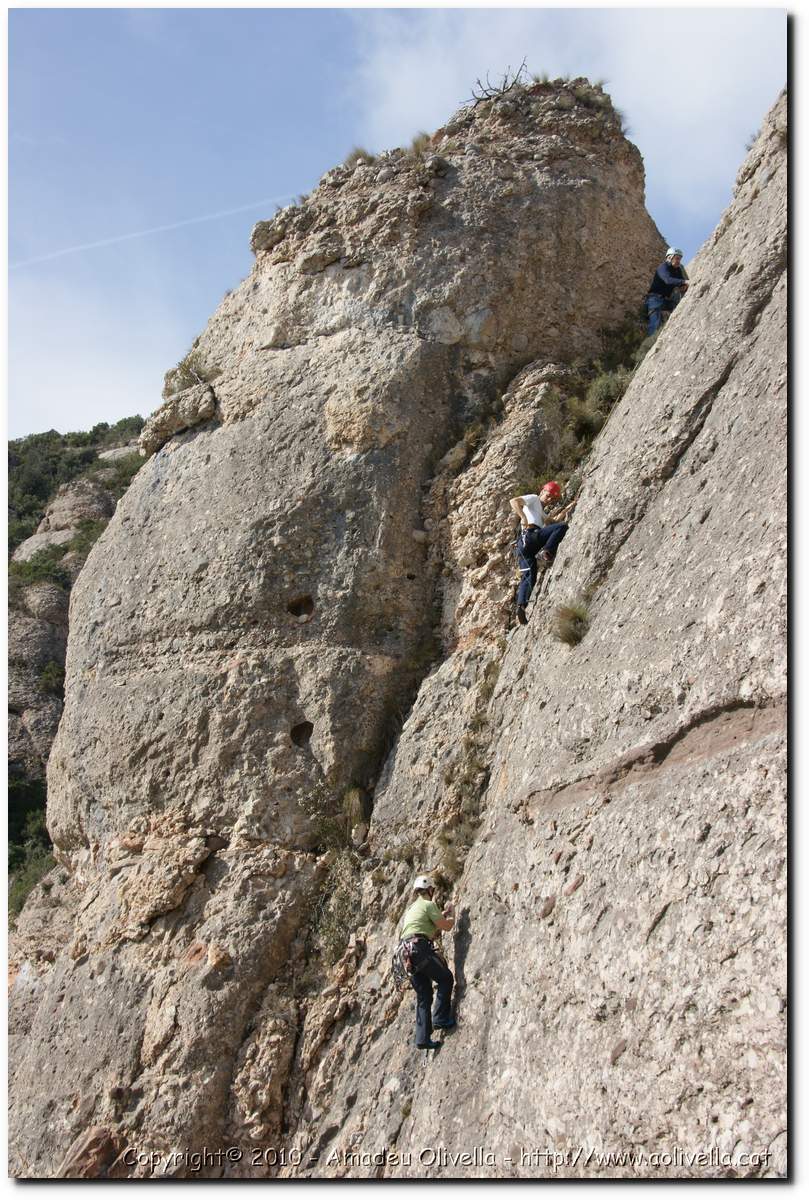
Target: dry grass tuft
359,155
571,622
420,145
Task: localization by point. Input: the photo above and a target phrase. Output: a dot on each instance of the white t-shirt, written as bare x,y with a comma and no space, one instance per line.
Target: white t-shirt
533,510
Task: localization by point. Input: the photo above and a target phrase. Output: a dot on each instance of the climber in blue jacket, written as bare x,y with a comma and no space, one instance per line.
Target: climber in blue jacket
667,288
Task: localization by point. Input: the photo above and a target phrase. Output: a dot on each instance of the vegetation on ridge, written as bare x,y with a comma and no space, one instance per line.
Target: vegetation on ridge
39,465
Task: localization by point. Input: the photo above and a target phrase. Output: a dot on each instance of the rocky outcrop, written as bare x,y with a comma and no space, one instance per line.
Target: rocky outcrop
37,630
77,501
192,406
269,605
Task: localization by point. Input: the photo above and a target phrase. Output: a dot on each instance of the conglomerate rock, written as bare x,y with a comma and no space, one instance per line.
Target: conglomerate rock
620,946
261,612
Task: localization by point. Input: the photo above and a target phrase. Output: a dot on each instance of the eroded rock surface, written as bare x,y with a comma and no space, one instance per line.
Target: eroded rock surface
620,950
266,607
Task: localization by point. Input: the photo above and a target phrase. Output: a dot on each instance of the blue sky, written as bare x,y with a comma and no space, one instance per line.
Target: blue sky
123,121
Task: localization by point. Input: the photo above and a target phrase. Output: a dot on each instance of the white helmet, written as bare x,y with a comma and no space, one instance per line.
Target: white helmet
673,252
421,883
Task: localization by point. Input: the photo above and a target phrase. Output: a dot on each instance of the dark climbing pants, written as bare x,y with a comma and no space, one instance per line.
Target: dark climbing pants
529,544
427,970
656,306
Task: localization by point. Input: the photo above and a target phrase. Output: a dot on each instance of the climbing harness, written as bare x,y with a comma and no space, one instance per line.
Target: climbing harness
402,961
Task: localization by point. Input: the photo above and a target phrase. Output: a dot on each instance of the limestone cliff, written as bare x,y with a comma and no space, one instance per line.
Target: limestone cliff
296,625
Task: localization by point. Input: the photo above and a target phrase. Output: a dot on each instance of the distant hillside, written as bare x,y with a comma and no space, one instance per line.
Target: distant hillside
62,478
40,463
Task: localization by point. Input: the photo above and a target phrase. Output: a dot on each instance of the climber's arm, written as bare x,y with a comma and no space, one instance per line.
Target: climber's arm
516,505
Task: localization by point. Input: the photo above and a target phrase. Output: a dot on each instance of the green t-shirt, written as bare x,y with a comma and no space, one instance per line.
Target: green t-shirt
421,917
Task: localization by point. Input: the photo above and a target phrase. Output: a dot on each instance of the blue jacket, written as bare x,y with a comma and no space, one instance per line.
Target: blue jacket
666,279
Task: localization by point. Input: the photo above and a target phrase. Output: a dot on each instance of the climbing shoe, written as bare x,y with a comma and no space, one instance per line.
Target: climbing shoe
428,1046
450,1024
521,617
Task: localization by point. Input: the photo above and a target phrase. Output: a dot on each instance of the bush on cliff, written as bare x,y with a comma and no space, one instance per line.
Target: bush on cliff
190,371
43,567
29,847
40,463
571,622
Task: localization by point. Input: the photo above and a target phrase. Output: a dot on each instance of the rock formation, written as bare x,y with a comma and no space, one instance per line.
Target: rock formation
38,626
297,621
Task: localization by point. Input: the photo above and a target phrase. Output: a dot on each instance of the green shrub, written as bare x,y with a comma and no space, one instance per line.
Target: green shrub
104,435
36,864
52,680
585,418
571,621
26,816
607,388
42,567
332,820
19,529
89,532
328,822
336,914
121,473
29,847
40,463
619,343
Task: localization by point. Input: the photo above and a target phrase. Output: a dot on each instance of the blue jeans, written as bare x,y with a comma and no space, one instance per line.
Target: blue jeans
528,545
428,969
656,306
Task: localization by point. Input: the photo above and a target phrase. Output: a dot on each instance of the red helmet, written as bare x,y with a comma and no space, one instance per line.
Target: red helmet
552,489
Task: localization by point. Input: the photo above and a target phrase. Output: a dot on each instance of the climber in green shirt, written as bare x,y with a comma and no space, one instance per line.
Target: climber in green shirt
420,924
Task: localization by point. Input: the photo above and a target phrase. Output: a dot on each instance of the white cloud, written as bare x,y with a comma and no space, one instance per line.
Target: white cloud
417,67
694,84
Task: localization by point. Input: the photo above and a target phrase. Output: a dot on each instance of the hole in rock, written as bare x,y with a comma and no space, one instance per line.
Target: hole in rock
301,606
301,734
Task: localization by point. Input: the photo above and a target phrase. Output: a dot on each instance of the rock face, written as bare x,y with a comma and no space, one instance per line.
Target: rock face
267,606
37,630
80,500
